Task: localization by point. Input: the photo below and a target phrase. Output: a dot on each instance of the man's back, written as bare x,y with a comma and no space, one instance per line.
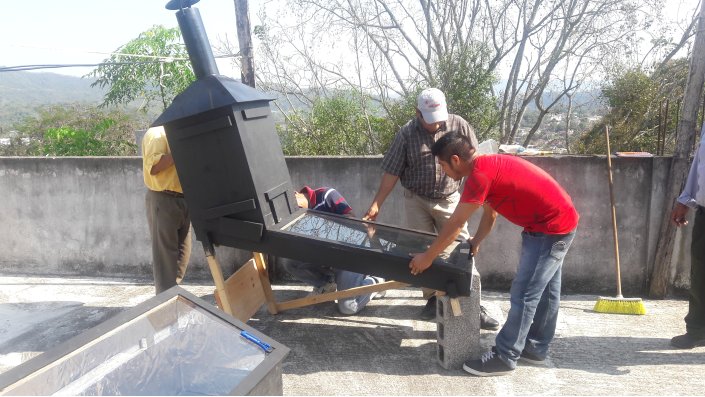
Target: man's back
521,192
326,199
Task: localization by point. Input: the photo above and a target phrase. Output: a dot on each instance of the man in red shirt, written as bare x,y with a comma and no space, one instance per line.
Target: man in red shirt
527,196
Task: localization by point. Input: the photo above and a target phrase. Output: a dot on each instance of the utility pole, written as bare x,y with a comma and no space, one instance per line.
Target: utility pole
244,38
680,164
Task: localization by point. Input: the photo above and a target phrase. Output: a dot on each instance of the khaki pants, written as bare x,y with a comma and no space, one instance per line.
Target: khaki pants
170,227
430,215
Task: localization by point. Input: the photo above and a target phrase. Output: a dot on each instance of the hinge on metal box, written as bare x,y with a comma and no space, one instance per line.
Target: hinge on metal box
235,227
279,202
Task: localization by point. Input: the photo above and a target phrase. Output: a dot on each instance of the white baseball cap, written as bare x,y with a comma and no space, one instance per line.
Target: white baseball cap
432,105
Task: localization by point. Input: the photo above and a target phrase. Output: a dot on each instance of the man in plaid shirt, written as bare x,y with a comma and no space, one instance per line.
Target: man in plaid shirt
430,196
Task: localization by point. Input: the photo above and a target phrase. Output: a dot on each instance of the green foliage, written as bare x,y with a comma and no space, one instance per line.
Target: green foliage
465,78
341,126
74,130
637,103
631,94
334,126
66,141
159,72
399,113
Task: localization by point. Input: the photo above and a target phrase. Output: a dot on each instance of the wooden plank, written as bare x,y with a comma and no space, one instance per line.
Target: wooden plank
331,296
455,307
217,274
244,291
454,304
264,279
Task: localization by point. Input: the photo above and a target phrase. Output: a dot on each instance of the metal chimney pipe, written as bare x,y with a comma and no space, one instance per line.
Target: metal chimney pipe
197,44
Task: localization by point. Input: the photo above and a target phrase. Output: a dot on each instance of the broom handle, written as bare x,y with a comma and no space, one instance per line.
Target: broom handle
614,214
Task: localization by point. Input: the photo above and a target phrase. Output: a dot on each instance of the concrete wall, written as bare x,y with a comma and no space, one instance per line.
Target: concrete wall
85,216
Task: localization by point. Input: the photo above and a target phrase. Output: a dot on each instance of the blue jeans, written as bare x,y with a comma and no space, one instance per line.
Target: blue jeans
347,280
318,276
308,273
535,297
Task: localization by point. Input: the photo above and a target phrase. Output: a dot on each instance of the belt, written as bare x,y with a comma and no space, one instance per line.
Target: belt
441,197
172,193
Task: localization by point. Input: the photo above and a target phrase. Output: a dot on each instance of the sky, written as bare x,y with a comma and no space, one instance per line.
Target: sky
86,31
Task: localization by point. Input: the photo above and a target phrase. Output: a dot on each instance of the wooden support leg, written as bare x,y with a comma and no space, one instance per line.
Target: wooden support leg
455,307
331,296
217,274
454,304
247,289
264,279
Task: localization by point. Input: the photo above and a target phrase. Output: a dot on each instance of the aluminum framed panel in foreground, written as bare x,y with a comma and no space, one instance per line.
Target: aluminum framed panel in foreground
172,344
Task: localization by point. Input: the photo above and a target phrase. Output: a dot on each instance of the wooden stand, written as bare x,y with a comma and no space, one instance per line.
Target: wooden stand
243,293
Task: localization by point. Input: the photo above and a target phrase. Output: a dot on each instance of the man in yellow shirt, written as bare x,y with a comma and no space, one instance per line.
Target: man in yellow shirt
167,213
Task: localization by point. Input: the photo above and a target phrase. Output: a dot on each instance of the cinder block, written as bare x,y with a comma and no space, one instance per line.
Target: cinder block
458,337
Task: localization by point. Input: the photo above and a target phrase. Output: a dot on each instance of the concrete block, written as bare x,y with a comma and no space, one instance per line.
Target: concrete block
458,337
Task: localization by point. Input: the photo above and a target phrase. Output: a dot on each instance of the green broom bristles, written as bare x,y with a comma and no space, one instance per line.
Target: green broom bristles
619,305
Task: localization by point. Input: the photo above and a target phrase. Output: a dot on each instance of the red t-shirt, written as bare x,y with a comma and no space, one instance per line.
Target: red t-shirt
521,192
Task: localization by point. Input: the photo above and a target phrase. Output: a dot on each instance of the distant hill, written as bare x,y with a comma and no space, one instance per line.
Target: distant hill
588,101
22,92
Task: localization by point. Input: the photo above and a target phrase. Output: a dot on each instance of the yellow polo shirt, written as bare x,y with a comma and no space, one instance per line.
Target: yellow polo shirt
154,146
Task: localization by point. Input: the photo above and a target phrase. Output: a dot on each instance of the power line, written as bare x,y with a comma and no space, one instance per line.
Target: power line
22,68
83,51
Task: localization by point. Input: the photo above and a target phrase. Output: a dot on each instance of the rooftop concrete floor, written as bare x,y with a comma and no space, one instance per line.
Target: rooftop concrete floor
385,350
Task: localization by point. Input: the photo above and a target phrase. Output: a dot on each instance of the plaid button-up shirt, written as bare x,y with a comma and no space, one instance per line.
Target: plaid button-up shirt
410,158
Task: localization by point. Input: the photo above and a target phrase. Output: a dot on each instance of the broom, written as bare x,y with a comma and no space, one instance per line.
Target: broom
618,304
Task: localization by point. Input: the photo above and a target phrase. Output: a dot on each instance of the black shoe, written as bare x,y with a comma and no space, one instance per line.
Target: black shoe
531,358
488,365
429,311
687,341
487,322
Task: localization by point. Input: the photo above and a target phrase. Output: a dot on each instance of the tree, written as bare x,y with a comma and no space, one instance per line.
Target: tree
74,130
152,67
637,116
388,48
333,126
301,75
660,277
463,75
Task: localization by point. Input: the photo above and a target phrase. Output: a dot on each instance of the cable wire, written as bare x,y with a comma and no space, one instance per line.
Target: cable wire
22,68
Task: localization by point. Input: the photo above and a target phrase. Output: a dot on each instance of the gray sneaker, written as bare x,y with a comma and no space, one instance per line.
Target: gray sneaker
488,365
324,289
380,294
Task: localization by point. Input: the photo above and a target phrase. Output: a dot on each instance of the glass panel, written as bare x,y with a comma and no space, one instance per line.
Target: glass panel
177,348
357,233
